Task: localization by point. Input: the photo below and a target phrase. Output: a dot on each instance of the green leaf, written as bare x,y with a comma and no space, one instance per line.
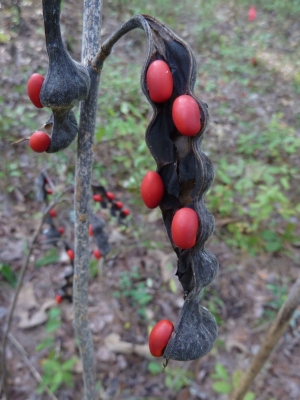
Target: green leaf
172,286
67,365
47,342
221,372
154,368
249,396
221,387
8,274
51,257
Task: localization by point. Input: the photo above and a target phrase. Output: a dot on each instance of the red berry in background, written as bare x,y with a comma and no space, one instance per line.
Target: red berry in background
52,213
159,81
110,195
119,204
159,337
252,14
34,86
91,233
97,254
61,230
186,115
152,189
125,212
39,141
97,198
58,298
254,61
70,253
184,228
49,191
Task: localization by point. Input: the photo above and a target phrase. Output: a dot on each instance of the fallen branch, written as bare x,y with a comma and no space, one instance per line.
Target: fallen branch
3,387
28,363
276,330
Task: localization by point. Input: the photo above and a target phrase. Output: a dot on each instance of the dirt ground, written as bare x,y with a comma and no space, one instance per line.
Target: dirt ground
241,283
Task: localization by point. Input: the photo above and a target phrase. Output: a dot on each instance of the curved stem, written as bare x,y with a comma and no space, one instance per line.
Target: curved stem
91,42
137,21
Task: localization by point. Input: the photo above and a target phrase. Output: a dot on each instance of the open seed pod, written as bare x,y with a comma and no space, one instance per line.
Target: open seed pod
66,83
187,173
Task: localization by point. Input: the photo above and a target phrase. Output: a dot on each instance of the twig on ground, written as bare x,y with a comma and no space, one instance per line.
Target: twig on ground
276,330
45,212
28,363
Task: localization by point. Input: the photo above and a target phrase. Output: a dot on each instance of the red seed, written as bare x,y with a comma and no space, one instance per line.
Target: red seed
152,189
159,337
71,254
119,204
186,115
110,195
125,212
58,298
159,81
39,141
97,198
52,213
61,230
184,228
97,254
34,86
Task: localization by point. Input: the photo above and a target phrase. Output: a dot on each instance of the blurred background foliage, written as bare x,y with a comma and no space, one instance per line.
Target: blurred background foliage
248,74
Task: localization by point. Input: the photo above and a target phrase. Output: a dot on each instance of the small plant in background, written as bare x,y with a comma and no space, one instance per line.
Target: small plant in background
224,384
7,274
56,371
135,290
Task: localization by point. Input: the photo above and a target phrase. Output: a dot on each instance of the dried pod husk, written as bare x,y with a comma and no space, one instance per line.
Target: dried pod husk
67,82
100,234
64,129
187,174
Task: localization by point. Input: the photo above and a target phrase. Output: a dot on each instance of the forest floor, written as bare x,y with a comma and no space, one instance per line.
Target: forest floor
135,285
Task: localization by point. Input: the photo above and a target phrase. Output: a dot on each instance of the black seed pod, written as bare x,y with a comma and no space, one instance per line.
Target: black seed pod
66,83
187,174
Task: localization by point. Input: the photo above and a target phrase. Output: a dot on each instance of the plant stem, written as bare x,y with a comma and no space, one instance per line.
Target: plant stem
135,22
90,45
276,330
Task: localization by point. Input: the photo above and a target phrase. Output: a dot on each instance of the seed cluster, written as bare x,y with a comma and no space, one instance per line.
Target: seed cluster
183,175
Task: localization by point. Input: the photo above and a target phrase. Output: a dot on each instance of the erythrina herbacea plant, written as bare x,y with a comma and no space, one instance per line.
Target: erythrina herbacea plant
178,186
